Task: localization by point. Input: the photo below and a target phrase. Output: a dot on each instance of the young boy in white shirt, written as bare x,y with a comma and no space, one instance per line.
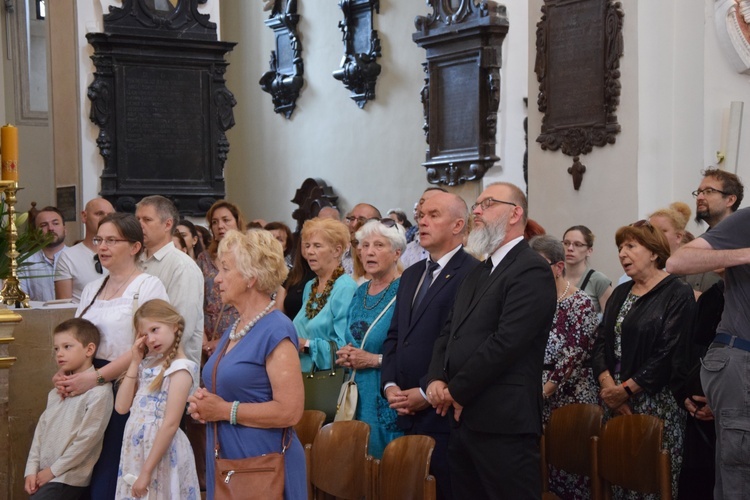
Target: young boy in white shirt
68,436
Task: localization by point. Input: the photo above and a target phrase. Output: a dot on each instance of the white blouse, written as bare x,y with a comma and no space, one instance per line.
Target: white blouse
114,318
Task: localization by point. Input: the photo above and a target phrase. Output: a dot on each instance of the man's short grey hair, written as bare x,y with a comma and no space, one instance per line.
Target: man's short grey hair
164,208
396,234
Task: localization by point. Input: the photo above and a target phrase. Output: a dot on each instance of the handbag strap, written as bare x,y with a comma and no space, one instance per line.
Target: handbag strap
364,339
586,279
286,436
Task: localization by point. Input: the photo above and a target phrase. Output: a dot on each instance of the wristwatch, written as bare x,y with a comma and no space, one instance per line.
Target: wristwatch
99,378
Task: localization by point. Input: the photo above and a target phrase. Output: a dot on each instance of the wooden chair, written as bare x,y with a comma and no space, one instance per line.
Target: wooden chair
309,425
629,453
566,443
404,471
337,461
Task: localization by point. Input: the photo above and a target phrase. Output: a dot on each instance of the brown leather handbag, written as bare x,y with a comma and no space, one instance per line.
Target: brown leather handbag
253,477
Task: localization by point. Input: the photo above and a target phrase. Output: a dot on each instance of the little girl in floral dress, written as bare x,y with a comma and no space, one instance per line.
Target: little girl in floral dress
156,460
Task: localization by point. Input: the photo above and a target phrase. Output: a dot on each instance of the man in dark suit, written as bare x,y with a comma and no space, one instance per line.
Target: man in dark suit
487,362
418,319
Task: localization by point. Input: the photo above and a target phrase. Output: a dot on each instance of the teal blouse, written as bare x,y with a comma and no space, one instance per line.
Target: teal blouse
329,324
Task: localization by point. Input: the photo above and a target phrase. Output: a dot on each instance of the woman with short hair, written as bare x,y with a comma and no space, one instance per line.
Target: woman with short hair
326,298
257,394
381,243
636,340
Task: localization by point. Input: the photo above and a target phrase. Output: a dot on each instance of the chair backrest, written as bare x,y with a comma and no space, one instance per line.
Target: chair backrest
309,425
404,471
567,437
338,462
629,453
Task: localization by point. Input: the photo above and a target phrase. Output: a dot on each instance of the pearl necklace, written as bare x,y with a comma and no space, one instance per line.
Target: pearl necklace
567,287
235,335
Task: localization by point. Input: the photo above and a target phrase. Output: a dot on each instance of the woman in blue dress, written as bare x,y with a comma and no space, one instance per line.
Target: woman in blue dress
381,244
257,392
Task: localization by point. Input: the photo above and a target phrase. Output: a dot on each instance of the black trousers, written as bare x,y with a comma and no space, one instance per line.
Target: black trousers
494,466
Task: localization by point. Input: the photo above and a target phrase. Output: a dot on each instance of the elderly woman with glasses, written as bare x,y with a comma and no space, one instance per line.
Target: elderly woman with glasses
636,340
381,243
578,243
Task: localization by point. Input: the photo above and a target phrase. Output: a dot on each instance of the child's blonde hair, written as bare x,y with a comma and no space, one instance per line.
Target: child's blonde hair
161,311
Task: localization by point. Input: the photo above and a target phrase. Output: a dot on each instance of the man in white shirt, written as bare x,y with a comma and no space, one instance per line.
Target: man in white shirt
180,274
38,271
79,265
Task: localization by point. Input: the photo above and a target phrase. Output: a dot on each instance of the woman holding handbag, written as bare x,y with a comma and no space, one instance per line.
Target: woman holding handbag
253,391
381,243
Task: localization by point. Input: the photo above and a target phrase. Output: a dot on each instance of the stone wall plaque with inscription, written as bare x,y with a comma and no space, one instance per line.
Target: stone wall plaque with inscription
161,104
461,94
579,45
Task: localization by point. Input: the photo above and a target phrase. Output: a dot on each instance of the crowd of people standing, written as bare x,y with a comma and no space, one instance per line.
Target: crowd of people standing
467,329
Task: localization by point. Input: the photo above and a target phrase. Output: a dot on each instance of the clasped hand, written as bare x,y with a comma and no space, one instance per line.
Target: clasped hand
439,396
406,402
353,357
205,406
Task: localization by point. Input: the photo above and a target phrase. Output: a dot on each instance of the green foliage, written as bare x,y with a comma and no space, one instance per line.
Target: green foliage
30,240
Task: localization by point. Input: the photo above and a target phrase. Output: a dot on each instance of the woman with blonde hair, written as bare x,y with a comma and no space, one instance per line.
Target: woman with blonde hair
326,298
672,221
253,393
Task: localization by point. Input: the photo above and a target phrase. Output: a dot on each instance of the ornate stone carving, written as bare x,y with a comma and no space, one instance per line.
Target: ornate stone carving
461,93
579,76
285,78
313,195
359,68
161,104
732,21
152,17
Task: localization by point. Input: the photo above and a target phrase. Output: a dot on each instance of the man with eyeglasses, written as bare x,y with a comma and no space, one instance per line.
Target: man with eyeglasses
424,299
487,363
718,197
180,275
79,265
361,213
37,273
724,375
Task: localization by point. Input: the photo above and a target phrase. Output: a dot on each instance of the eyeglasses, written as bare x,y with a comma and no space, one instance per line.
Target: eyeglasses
708,192
576,244
488,202
350,219
98,265
109,241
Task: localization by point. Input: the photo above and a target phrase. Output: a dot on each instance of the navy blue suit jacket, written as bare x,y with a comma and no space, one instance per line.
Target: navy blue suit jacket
407,350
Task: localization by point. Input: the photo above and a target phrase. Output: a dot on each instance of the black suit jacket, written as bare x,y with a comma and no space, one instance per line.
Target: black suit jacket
491,350
407,350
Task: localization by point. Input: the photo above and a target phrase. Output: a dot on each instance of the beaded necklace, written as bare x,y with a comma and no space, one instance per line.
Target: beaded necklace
382,294
317,301
236,335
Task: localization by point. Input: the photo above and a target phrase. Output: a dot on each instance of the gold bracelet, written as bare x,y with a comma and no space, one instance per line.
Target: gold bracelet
130,376
605,377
